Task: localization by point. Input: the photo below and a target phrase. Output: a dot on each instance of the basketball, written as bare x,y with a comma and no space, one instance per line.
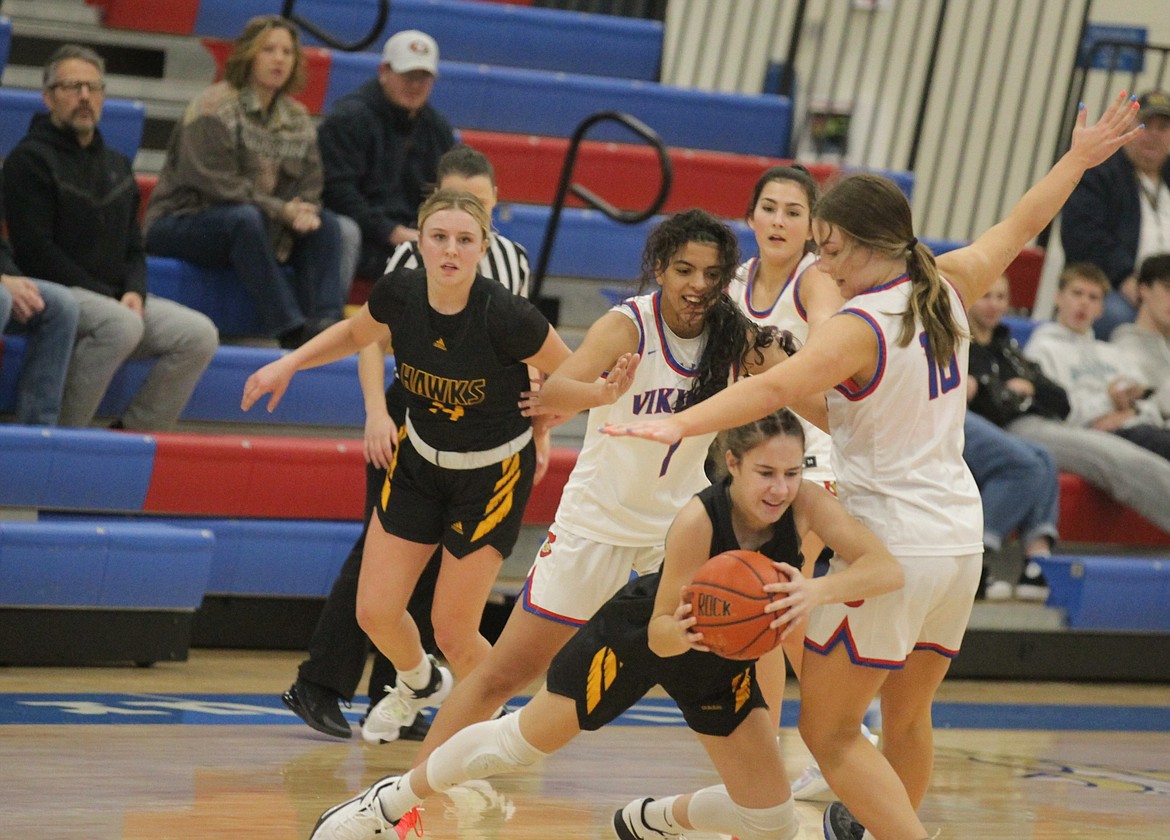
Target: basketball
727,598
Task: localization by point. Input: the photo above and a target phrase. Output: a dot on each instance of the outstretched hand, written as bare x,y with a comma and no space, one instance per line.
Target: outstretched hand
664,430
620,378
273,379
1094,144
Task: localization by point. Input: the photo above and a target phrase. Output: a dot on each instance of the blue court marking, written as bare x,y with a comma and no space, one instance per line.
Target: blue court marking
266,709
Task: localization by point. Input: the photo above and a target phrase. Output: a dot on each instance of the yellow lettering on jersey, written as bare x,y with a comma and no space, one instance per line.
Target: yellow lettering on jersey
500,504
452,413
602,672
742,685
441,388
439,343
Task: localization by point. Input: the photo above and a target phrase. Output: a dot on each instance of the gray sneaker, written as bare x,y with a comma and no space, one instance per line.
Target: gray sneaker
398,709
839,824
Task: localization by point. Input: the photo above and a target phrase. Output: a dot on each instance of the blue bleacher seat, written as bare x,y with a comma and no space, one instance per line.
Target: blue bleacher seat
213,291
554,104
135,565
1110,593
1020,327
502,35
5,41
90,469
121,126
329,395
267,557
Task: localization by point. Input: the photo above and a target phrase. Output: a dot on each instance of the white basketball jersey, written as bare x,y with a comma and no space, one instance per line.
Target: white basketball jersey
787,314
898,440
625,491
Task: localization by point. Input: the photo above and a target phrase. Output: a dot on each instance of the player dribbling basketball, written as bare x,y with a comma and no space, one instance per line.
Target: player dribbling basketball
642,637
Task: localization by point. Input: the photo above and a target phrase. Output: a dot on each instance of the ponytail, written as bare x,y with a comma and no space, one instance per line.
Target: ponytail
930,306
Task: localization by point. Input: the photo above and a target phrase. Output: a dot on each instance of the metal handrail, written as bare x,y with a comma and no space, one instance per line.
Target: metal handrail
331,40
628,217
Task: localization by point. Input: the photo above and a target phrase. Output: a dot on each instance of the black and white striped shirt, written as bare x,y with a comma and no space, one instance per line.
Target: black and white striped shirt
505,260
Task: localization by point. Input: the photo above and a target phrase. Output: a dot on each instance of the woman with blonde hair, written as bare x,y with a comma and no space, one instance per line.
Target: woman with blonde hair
463,469
241,187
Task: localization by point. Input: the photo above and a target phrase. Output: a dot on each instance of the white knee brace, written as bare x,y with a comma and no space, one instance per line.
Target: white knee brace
479,751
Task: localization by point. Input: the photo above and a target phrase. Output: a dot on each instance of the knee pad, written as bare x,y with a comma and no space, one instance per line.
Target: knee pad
776,823
479,751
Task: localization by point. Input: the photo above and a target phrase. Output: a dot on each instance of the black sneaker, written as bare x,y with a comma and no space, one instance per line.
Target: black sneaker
1033,586
417,731
840,825
318,707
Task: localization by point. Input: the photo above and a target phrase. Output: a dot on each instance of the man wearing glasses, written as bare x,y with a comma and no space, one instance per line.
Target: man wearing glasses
73,219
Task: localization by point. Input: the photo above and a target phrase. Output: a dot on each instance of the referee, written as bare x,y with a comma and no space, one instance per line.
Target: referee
338,648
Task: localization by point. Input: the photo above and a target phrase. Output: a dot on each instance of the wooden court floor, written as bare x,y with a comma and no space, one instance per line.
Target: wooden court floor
171,752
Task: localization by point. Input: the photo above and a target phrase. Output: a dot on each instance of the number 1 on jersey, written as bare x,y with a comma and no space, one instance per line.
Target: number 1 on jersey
948,377
669,454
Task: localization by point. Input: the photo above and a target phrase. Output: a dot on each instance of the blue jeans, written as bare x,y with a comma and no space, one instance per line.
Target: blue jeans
51,333
1017,479
236,235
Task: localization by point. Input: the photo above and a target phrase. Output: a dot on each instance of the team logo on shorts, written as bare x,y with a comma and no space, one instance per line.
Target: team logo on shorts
603,671
546,547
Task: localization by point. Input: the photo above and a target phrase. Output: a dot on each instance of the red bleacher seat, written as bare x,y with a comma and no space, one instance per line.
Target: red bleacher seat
528,168
1088,515
1024,272
176,17
288,478
281,477
146,185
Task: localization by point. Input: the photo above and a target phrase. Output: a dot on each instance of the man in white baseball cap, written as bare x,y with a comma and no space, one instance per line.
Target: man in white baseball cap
411,50
380,146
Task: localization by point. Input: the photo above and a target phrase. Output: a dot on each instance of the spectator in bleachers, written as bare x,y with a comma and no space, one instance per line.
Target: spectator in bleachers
73,219
47,314
1020,488
241,187
1105,387
1147,340
380,146
1120,212
338,649
1014,393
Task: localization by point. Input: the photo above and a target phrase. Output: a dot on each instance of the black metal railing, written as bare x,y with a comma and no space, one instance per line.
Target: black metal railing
564,187
331,40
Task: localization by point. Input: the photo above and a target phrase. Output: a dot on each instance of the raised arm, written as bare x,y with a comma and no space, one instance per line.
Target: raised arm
974,268
843,350
342,339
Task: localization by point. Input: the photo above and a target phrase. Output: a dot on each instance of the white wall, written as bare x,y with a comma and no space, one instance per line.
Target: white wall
1006,93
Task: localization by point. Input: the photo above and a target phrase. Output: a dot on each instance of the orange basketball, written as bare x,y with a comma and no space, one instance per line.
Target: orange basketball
727,597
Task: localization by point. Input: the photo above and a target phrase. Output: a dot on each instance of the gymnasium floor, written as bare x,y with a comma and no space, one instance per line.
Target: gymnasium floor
204,749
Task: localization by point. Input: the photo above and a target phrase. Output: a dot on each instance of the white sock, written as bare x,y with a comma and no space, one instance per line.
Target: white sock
417,677
659,815
481,750
396,796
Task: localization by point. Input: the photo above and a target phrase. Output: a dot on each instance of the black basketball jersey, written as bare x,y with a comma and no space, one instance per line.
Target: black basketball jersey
783,547
462,373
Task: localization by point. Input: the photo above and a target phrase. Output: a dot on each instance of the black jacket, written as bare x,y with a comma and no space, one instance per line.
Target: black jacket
73,212
1102,219
992,365
7,261
379,163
